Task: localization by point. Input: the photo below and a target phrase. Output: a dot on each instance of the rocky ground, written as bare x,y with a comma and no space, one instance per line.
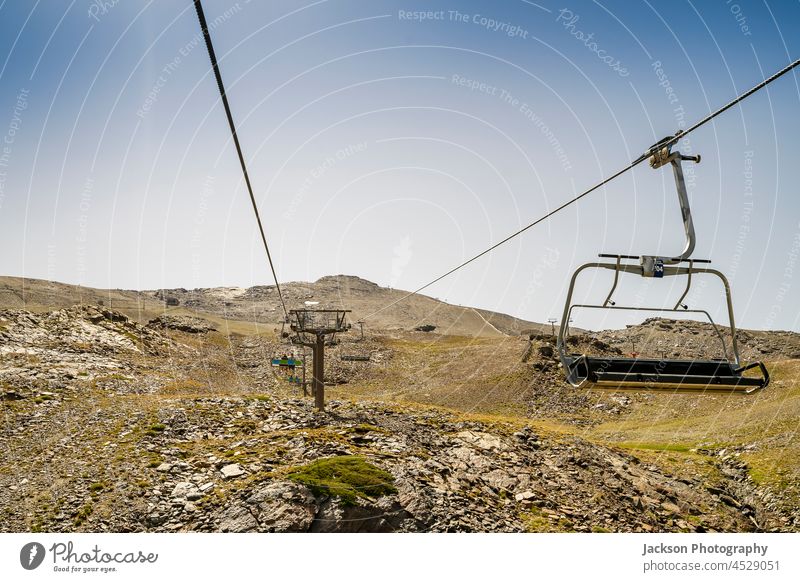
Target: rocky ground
672,338
364,298
113,425
549,397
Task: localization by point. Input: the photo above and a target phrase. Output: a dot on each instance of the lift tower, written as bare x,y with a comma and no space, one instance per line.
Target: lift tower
310,327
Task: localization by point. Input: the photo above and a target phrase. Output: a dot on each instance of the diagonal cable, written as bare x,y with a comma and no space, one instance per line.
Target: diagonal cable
204,26
666,142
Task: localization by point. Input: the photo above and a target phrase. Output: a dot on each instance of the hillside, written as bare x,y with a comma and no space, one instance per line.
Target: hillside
260,304
118,417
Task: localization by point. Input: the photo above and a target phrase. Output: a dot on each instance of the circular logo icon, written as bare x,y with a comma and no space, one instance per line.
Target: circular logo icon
31,555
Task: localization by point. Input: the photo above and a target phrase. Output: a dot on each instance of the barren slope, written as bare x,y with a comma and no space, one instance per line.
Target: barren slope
167,430
260,304
111,424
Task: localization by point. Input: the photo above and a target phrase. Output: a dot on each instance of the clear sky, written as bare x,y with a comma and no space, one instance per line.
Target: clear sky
392,145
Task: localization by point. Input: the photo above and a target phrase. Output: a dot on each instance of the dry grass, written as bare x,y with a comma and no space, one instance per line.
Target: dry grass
764,428
468,374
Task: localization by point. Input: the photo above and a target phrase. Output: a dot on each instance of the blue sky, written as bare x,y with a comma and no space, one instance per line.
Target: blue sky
391,146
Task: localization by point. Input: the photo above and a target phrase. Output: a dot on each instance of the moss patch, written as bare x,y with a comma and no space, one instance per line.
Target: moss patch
345,477
83,514
97,487
536,522
155,429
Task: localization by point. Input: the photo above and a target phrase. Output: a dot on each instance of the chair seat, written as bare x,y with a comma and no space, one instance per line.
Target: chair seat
656,374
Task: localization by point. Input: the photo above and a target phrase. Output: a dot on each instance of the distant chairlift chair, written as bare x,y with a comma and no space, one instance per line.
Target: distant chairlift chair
287,366
362,357
583,371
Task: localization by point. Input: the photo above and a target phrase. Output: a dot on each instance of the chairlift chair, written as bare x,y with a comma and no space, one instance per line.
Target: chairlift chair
362,357
635,373
356,357
289,369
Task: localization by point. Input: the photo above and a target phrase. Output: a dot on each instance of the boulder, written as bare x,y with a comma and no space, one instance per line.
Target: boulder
237,519
184,323
283,506
232,471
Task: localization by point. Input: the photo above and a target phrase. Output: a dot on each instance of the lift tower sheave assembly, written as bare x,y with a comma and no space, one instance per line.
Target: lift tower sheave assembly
310,327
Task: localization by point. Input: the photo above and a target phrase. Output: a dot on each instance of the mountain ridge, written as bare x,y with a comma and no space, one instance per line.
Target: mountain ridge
260,303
